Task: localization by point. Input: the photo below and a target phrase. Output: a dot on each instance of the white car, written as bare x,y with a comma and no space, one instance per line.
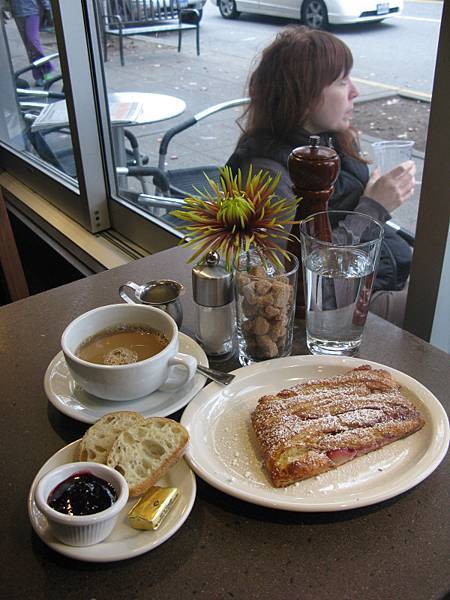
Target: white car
314,13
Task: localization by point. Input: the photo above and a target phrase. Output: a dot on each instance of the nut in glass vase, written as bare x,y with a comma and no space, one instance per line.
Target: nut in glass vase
265,306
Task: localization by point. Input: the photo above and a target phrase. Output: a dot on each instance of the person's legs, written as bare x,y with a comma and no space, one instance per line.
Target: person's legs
20,24
32,41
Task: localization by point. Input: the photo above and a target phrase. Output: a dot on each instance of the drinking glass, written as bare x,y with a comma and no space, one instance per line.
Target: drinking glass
390,154
338,276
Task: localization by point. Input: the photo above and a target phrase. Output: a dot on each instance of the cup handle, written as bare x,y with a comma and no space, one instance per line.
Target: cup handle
124,295
189,364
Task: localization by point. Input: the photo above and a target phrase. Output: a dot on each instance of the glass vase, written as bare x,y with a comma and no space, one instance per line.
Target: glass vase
265,295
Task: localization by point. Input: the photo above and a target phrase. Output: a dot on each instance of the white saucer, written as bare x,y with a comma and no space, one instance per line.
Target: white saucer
70,399
124,542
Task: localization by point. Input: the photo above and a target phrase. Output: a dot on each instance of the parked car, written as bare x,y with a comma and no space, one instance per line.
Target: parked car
314,13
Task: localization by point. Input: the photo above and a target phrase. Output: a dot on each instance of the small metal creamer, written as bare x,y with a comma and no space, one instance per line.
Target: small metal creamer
163,293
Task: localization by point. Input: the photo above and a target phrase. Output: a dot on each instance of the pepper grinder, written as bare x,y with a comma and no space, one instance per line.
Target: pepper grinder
213,294
313,170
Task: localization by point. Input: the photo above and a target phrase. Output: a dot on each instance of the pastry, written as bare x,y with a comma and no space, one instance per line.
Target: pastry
321,424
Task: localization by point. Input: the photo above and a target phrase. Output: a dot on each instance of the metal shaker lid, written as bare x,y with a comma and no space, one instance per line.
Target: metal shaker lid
314,151
212,284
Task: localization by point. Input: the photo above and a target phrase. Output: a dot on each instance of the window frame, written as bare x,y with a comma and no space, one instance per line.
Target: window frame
94,203
427,308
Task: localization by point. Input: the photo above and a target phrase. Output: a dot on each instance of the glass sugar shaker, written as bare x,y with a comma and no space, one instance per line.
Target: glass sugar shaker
213,293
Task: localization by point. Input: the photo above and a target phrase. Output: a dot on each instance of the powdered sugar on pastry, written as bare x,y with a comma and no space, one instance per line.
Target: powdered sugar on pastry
318,425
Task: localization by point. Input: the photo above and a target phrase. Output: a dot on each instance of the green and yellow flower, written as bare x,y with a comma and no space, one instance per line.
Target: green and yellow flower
231,218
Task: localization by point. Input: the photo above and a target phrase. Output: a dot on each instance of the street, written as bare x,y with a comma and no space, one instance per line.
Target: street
398,53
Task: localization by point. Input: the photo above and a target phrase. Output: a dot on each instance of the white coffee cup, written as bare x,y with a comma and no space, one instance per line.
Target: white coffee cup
129,381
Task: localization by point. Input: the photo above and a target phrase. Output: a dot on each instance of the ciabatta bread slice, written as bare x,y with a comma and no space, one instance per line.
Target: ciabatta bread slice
319,425
145,451
100,437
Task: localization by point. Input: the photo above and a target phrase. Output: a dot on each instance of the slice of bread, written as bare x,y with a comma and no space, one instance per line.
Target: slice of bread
145,451
100,437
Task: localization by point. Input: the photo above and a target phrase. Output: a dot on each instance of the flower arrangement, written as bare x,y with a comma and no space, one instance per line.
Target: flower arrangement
234,217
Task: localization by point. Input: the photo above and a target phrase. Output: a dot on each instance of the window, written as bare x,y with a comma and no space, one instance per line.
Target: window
66,137
98,190
47,152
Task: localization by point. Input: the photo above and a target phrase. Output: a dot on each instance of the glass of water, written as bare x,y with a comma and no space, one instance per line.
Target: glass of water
338,276
390,154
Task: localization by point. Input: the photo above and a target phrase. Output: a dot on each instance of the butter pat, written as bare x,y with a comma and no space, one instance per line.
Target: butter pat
150,510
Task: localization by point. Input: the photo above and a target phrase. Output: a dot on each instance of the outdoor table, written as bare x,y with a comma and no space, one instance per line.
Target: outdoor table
227,548
155,108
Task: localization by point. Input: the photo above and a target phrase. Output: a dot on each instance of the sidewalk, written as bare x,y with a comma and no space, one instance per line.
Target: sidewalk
218,74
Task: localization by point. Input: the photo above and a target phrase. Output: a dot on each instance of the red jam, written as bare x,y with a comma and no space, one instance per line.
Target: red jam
82,494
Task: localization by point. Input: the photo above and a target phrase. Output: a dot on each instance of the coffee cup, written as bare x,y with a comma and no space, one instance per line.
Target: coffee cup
121,382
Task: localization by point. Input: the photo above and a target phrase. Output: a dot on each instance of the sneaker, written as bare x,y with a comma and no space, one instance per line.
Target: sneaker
43,80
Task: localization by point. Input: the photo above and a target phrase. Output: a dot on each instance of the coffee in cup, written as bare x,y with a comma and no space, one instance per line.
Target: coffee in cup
122,345
125,351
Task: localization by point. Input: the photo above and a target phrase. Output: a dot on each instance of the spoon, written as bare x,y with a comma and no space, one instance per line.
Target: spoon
218,376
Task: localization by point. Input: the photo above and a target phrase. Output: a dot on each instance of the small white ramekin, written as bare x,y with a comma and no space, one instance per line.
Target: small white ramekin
81,530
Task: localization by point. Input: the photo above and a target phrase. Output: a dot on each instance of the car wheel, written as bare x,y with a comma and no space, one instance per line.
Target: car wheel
228,9
315,14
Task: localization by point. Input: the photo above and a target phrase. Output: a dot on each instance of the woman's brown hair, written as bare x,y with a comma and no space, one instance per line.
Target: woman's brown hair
289,80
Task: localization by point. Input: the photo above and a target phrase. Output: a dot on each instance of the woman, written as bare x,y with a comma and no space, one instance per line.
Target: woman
302,86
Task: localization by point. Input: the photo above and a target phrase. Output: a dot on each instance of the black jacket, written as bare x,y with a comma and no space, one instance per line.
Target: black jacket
395,255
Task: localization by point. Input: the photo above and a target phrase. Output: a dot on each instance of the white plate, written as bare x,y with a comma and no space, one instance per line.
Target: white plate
70,399
124,542
223,452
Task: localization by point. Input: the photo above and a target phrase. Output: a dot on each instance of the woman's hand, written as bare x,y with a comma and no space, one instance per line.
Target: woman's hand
393,188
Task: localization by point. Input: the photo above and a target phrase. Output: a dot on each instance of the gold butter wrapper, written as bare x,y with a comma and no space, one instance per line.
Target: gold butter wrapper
150,510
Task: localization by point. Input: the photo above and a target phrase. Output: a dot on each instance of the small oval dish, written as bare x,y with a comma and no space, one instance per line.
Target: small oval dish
81,530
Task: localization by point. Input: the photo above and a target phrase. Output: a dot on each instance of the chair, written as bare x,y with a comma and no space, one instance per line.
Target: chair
54,144
183,181
172,185
122,18
23,83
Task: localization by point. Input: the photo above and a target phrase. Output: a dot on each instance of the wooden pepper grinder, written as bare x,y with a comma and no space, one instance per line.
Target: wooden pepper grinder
313,170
